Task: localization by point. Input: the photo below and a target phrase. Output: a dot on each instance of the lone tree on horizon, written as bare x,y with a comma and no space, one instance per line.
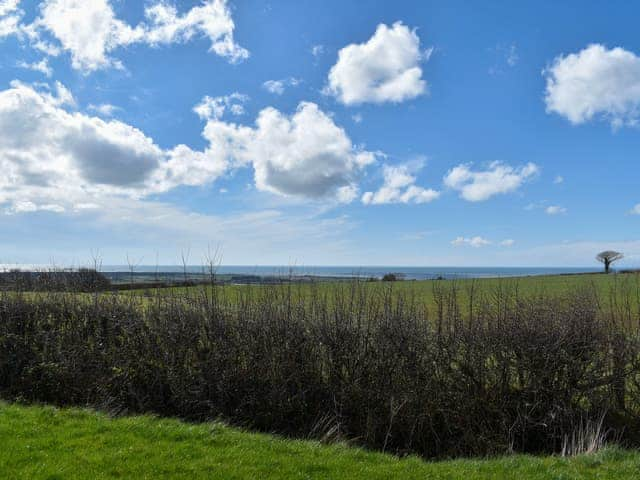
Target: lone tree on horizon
608,257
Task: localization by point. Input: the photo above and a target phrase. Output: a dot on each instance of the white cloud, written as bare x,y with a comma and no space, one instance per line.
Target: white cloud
558,179
22,206
347,194
399,187
635,210
386,68
85,206
104,109
53,155
42,66
595,83
317,50
499,178
278,87
10,16
212,19
274,86
8,6
50,156
475,242
88,30
216,107
555,210
305,154
357,118
91,32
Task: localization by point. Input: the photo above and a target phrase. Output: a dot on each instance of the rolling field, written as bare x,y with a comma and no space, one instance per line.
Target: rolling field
614,288
51,443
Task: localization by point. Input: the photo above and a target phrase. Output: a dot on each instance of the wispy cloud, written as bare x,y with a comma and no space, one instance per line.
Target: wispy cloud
278,87
555,210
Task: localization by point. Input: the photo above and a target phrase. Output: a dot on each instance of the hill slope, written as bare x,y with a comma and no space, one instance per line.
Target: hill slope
51,443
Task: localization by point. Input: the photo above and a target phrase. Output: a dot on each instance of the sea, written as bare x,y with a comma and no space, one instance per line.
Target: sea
407,273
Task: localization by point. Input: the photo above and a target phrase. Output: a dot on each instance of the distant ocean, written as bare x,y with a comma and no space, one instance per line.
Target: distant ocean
409,273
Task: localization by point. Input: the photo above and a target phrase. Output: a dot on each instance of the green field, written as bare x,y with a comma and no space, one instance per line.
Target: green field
616,287
51,443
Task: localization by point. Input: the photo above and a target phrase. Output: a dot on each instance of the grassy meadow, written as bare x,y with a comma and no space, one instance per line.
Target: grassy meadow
50,443
614,289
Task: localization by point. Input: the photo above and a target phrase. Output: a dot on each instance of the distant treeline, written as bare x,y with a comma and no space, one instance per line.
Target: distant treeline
80,280
91,280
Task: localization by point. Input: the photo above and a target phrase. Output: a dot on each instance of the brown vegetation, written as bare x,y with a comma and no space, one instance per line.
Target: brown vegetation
498,372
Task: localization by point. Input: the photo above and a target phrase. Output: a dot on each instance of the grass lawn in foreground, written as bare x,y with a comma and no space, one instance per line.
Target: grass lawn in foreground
50,443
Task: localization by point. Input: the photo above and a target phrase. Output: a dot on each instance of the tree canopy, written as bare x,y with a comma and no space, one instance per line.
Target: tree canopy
608,257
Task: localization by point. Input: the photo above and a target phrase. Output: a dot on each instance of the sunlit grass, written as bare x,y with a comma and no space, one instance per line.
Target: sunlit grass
51,443
608,287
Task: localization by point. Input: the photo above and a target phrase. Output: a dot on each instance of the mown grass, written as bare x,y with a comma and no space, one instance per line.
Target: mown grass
51,443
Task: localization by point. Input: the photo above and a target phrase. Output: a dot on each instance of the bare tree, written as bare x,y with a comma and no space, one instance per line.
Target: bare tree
184,256
608,257
132,268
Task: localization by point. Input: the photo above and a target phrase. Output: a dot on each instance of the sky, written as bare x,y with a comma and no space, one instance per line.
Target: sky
319,132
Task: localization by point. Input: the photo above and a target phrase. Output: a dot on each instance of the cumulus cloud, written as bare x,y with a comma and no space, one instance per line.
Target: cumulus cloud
216,107
8,6
499,178
304,154
88,30
596,82
278,87
386,68
555,210
52,156
399,187
91,32
475,242
10,16
211,19
42,66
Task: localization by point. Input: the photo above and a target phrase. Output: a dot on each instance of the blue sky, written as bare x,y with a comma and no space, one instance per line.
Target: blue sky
319,133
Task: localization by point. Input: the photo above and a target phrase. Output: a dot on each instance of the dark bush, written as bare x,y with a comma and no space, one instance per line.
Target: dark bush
491,374
81,280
